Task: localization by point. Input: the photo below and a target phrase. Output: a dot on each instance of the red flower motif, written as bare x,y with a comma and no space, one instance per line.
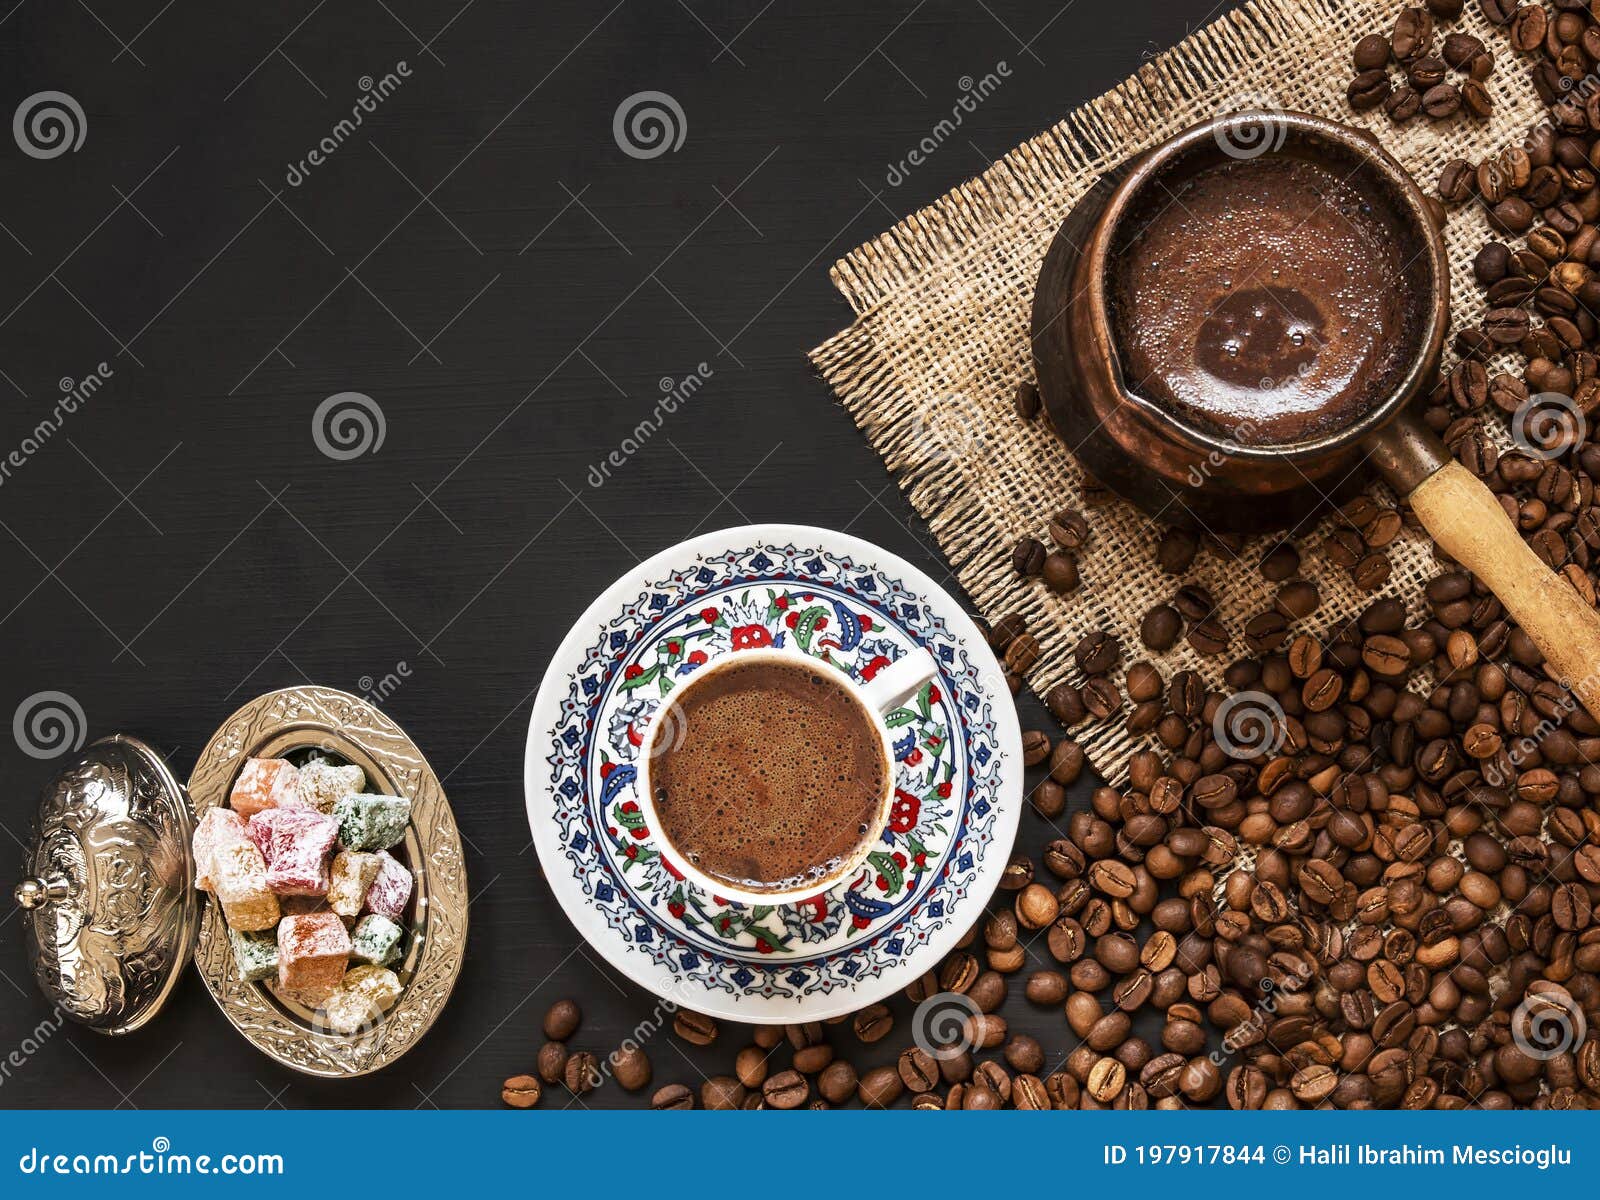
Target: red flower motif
763,946
674,646
632,851
750,637
934,695
866,623
792,620
817,905
870,671
724,922
606,768
881,884
860,922
633,671
921,860
677,908
697,659
903,812
708,615
781,602
822,622
913,758
899,860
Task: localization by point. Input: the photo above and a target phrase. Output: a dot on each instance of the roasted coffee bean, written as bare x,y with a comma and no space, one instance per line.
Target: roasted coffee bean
1371,52
521,1091
561,1020
673,1096
786,1089
1069,529
553,1062
1035,747
694,1028
630,1067
1160,628
1175,552
837,1083
1456,181
880,1087
1027,557
722,1093
583,1073
873,1023
1060,572
1441,101
1096,653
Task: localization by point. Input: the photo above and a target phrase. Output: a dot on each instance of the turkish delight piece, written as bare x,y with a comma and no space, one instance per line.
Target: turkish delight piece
371,822
313,952
391,890
265,783
296,842
361,999
323,783
350,880
239,877
217,827
255,955
375,940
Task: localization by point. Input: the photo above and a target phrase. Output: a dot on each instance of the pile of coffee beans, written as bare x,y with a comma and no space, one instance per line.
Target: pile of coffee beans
1439,74
578,1071
1327,884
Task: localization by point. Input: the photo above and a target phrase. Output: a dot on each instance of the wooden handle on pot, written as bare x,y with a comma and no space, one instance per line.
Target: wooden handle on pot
1468,523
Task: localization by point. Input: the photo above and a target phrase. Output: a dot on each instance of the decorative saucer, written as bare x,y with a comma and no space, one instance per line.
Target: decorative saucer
958,774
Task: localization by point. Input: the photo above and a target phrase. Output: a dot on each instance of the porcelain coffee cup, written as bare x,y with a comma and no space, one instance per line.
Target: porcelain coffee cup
877,698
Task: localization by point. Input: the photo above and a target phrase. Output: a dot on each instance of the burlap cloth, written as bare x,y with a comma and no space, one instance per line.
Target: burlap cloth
941,337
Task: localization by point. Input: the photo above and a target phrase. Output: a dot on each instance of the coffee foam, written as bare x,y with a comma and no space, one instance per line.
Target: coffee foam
774,777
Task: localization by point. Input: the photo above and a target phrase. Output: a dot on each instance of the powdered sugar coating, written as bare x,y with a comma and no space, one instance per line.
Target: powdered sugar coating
296,843
391,890
313,952
265,783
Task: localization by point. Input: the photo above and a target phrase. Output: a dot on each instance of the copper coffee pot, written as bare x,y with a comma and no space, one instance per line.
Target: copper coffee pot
1188,475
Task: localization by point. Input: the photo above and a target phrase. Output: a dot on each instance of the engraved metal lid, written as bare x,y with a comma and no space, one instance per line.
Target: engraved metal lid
110,908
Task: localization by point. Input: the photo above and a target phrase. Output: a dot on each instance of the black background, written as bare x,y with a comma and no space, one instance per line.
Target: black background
483,261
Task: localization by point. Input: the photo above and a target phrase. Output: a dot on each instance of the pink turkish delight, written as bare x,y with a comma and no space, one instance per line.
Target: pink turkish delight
391,890
313,952
296,843
265,783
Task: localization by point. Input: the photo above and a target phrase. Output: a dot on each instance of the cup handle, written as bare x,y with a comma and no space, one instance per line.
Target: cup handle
900,680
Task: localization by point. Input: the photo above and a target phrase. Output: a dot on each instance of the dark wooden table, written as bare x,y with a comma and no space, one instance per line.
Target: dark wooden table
480,258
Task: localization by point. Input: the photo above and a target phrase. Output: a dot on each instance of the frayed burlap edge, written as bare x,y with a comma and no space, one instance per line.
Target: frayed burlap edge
930,365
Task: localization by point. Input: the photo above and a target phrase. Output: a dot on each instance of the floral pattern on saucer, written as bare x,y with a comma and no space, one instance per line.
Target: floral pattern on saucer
949,773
